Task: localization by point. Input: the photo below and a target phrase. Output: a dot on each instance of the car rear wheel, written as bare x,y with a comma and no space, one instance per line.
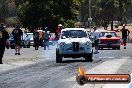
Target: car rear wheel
58,57
88,57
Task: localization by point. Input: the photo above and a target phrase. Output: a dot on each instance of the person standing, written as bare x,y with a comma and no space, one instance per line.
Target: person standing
95,35
36,39
125,34
41,38
4,36
58,31
46,39
17,34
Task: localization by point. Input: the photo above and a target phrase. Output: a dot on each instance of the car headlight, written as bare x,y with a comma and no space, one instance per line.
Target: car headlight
62,44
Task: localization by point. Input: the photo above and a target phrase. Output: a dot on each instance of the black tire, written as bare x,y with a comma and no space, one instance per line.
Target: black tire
114,48
88,57
81,80
92,44
118,48
58,57
24,46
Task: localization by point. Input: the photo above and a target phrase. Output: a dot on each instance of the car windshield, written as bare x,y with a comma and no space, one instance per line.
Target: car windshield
74,34
105,34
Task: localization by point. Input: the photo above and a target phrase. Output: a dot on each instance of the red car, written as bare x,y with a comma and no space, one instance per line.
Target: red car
109,39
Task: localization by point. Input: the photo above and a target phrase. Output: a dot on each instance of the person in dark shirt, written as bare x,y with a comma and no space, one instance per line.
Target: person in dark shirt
125,34
36,39
17,33
4,36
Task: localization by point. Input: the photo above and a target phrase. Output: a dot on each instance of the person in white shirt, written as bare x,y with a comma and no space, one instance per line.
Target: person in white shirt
95,35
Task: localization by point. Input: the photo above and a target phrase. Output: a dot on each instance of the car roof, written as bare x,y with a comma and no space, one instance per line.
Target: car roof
65,29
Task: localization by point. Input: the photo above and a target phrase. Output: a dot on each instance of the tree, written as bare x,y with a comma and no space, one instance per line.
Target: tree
3,10
109,11
105,11
36,13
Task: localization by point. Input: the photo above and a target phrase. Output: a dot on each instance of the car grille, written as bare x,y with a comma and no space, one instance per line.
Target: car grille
75,46
109,41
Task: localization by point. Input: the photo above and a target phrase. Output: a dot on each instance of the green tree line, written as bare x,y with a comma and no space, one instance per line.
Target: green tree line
47,13
106,11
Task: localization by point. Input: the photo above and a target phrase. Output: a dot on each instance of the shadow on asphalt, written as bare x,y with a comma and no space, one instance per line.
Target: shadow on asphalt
73,61
108,49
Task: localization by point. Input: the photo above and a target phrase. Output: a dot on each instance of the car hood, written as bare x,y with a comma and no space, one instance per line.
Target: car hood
70,40
112,38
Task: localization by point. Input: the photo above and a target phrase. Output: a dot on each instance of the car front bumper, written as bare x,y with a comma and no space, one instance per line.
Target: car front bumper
108,45
79,52
75,55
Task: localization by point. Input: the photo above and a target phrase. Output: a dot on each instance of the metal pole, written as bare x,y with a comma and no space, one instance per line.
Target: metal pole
89,8
90,13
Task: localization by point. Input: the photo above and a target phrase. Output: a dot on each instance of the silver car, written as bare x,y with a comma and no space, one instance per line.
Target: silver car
31,38
74,42
25,40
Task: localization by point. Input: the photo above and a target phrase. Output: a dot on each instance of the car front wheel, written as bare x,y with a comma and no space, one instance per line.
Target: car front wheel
118,48
88,57
58,57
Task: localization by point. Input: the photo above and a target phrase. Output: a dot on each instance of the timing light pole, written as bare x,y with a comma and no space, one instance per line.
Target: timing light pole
90,19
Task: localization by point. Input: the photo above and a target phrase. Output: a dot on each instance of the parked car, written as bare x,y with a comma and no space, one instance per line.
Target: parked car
109,39
25,40
74,42
11,40
30,35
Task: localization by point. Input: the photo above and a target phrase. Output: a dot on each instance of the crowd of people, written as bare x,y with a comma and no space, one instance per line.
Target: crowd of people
40,38
45,37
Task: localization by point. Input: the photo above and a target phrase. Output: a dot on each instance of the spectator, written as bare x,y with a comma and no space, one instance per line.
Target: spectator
3,40
46,39
41,38
125,34
95,35
58,31
36,39
17,33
